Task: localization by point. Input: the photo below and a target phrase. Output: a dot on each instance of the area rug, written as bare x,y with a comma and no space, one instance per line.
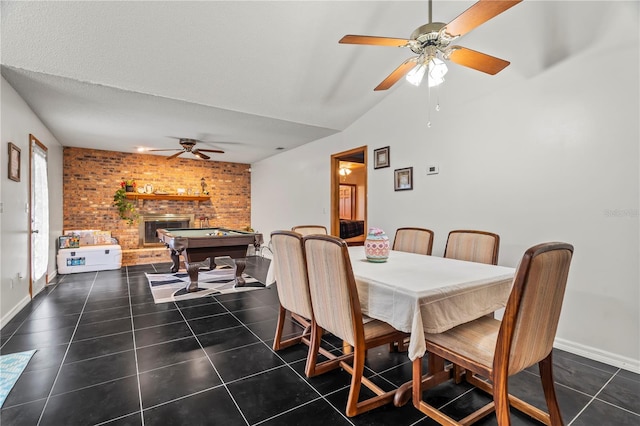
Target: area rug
172,287
11,367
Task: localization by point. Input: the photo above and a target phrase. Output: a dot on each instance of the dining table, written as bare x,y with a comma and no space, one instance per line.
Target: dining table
420,294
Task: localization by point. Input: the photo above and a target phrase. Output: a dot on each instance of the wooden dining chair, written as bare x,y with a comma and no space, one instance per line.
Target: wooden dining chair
290,270
413,240
495,349
336,309
473,246
310,229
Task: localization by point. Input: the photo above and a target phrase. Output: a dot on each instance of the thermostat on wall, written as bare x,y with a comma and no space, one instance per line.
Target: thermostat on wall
433,170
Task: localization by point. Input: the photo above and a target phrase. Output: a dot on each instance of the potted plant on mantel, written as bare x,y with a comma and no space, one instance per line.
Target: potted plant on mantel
126,209
129,185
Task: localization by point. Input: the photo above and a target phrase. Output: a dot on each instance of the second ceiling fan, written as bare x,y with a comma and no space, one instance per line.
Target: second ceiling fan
188,145
434,39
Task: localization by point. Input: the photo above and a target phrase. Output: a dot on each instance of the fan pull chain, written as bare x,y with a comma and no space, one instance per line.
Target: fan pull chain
437,108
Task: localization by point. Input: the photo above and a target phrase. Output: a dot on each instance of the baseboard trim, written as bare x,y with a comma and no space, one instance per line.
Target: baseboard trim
14,311
596,354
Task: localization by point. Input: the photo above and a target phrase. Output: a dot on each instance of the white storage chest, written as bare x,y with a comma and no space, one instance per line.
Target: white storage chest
89,258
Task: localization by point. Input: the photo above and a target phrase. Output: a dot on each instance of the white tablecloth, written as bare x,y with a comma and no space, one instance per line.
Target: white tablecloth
421,294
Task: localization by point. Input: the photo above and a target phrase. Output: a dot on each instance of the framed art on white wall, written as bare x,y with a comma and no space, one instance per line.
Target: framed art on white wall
381,158
403,179
14,162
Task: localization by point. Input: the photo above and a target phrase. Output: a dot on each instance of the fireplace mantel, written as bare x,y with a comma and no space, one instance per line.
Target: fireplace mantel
173,197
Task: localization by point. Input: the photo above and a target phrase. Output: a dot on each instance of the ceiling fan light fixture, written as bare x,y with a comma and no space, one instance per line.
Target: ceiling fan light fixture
437,70
416,75
434,68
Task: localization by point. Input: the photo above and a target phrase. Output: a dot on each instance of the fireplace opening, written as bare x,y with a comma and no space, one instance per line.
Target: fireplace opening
150,222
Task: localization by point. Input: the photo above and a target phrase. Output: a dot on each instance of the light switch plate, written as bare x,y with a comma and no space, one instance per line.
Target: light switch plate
433,170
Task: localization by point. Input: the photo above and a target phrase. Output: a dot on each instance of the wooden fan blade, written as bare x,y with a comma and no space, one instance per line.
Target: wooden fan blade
217,151
158,150
477,61
373,40
476,15
397,74
172,156
197,153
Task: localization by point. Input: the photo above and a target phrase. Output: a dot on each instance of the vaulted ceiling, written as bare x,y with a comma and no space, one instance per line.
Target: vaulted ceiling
252,77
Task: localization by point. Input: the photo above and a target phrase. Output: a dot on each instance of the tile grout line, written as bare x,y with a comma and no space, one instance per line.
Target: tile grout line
212,364
179,398
595,396
288,411
289,366
25,320
95,277
135,348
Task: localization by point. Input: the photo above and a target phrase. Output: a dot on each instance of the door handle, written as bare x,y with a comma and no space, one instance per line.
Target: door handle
34,231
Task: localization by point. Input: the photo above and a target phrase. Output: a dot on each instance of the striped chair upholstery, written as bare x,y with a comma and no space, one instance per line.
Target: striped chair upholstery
336,309
473,246
498,349
290,270
413,240
310,229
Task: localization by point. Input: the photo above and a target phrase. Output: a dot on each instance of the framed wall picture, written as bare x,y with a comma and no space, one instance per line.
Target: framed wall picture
14,162
381,158
403,179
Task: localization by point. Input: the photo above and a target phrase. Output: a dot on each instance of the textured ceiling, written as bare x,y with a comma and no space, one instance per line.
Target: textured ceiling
252,77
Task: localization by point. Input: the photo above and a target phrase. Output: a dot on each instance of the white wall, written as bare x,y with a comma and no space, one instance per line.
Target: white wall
18,121
550,157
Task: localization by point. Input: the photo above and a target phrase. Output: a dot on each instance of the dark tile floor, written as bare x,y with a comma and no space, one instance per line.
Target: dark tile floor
108,355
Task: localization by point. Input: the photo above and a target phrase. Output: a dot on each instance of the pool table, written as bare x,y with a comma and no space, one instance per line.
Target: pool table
199,246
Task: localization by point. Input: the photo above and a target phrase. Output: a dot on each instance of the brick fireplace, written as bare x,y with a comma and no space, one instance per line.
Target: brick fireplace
148,224
91,178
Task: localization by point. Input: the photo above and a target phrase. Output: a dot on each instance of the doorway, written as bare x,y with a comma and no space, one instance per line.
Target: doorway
39,215
349,195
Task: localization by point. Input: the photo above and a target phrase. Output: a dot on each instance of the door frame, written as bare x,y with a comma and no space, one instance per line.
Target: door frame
335,186
33,140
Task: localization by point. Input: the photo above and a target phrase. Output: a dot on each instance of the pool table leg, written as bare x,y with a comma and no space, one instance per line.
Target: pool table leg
241,263
192,270
175,258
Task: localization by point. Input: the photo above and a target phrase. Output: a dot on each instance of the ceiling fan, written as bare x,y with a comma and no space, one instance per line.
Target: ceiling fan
434,39
188,145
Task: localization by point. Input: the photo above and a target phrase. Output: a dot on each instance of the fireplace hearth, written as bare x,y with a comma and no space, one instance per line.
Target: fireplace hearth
150,222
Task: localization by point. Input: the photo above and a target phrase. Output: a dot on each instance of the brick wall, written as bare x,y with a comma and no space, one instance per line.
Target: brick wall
92,176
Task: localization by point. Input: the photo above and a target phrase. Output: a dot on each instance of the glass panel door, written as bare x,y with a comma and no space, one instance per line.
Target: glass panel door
39,216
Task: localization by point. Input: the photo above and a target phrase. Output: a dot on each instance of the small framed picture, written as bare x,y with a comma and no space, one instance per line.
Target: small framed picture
14,162
403,179
381,158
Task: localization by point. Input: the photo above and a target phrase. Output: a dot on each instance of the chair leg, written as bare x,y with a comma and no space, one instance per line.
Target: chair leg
314,346
501,399
546,374
356,381
281,317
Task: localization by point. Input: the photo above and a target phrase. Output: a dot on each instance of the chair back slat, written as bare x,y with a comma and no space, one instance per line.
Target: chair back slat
413,240
531,317
333,292
291,272
310,229
473,246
